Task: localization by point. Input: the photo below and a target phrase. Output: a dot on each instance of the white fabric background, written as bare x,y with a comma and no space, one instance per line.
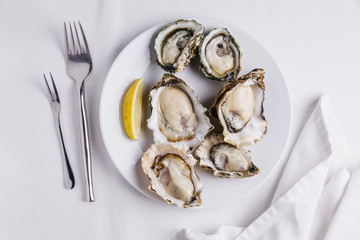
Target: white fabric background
315,43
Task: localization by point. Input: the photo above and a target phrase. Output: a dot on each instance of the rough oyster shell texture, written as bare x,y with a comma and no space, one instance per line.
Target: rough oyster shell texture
176,113
177,43
226,160
172,174
239,109
220,55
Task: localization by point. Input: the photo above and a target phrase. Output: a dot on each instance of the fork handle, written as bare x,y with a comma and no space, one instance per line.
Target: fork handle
69,179
86,145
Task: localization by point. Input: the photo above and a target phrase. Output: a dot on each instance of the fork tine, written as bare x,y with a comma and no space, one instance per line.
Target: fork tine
84,38
66,40
48,87
77,37
57,98
72,38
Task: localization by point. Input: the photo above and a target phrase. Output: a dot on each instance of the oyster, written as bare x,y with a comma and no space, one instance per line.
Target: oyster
176,44
172,174
220,55
177,115
226,160
239,108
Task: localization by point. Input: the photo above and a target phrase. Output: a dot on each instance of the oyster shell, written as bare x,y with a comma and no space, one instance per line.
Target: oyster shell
239,108
172,174
226,160
177,115
220,55
176,44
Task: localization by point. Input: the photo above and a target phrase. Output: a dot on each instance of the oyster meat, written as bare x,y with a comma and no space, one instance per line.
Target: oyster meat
177,43
239,108
220,55
177,115
172,174
226,160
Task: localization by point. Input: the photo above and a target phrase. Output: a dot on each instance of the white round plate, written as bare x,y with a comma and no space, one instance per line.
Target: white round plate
137,60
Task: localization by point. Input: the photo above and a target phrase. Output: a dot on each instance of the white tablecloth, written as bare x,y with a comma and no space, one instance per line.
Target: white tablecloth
315,43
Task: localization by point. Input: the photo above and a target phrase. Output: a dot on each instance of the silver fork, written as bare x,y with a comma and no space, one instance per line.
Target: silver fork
78,66
69,179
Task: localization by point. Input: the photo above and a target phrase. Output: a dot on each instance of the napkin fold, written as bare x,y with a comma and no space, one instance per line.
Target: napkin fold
317,196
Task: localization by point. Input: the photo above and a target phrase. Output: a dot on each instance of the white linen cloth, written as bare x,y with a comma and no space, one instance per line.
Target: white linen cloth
317,196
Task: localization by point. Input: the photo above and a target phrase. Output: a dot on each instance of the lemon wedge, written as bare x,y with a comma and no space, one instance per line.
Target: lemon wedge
132,106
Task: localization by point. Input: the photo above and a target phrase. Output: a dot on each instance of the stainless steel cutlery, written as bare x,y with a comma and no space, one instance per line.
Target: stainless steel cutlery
78,65
69,179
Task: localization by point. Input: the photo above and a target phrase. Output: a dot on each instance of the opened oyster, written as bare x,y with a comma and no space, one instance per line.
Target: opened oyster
177,115
239,108
226,160
176,44
172,174
220,55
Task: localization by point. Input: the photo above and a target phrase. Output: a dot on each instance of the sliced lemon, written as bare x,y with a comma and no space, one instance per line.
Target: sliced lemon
132,109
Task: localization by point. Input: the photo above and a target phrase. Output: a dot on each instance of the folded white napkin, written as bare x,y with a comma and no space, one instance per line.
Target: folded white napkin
317,197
